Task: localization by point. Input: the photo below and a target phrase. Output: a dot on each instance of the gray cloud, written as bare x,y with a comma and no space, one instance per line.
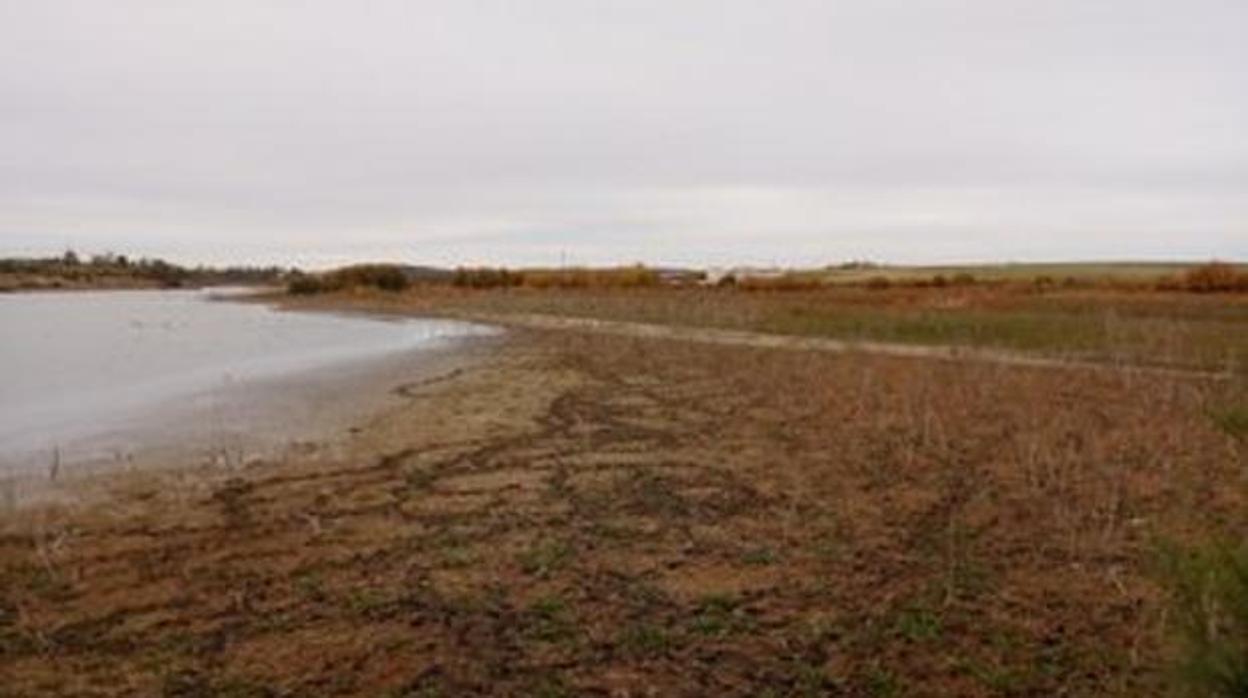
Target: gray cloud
707,130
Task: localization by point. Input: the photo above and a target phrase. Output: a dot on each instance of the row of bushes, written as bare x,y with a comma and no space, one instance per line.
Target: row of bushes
393,278
1215,277
620,277
486,277
386,277
811,282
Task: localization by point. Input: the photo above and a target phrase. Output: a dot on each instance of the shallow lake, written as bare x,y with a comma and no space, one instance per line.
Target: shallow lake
78,366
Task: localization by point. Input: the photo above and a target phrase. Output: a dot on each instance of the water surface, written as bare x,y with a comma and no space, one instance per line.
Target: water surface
79,365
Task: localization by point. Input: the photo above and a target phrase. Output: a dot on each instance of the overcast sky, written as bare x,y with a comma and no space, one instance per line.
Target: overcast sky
672,131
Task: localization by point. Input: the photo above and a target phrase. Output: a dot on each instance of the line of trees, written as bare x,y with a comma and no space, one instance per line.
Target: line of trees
108,268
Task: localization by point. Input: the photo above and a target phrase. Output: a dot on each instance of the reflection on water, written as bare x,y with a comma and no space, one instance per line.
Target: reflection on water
73,365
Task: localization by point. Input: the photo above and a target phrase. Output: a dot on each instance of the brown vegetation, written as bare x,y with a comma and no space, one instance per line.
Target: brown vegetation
591,515
636,276
783,282
1215,277
1204,331
383,277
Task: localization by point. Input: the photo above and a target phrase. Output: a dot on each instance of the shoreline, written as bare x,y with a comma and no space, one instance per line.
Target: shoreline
311,412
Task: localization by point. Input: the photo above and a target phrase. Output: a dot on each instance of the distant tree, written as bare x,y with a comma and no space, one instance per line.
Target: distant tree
168,275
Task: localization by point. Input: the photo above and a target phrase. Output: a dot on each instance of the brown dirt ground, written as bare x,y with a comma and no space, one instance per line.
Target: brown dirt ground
582,514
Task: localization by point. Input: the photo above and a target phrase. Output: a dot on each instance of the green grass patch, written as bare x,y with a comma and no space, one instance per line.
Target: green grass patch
545,557
882,683
919,624
1192,331
1208,590
719,616
1231,419
550,619
645,640
760,557
549,687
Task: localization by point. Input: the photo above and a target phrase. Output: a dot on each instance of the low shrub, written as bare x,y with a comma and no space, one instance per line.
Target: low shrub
879,283
485,277
636,276
386,277
783,282
622,277
1214,277
304,285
